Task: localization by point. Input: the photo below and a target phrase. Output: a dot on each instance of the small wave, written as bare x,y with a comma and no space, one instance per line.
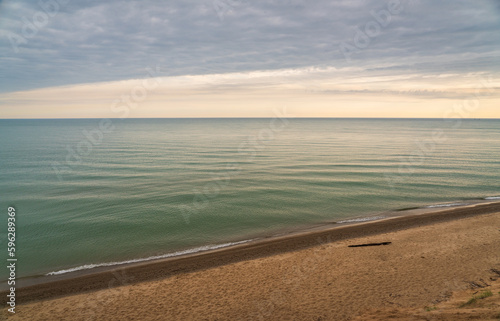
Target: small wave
446,205
492,198
164,256
362,219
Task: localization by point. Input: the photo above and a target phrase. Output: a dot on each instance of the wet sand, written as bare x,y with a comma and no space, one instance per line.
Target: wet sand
308,276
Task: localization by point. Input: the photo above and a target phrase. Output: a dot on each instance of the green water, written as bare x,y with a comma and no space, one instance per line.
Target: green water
150,187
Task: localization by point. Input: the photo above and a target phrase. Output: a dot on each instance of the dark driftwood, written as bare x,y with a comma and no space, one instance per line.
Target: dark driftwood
371,244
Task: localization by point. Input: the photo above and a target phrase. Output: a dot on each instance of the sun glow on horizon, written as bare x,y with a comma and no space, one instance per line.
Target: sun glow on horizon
306,92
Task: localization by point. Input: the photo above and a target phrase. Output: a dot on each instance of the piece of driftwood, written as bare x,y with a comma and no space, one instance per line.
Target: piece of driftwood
371,244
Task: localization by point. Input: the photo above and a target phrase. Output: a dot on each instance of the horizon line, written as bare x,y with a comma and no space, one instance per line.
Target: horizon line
118,118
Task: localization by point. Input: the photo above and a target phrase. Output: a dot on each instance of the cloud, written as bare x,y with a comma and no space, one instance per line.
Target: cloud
312,91
95,41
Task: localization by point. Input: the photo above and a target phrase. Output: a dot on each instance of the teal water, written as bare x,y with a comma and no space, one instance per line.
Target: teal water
151,187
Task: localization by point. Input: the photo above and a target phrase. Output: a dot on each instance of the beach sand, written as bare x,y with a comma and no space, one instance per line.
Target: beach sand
434,264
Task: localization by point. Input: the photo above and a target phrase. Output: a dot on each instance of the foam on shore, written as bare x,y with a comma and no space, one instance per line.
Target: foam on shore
151,258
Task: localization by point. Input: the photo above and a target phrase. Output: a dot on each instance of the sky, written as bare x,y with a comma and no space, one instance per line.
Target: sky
248,58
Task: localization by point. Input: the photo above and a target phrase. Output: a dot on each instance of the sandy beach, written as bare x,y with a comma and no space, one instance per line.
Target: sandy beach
228,160
434,264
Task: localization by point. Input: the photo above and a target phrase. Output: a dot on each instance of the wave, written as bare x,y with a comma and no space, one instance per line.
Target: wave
164,256
362,219
446,205
218,246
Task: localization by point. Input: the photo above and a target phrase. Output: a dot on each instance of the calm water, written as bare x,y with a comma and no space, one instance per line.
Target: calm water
153,187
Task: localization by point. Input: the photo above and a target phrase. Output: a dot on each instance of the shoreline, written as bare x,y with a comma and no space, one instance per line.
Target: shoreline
92,268
74,283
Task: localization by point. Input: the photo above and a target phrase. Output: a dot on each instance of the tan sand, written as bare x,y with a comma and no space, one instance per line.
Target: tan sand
457,308
330,281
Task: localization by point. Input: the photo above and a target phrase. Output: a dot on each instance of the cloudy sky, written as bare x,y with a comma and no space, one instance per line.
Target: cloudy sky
245,58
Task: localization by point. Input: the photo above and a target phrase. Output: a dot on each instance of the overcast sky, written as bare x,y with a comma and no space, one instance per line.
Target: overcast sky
424,49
